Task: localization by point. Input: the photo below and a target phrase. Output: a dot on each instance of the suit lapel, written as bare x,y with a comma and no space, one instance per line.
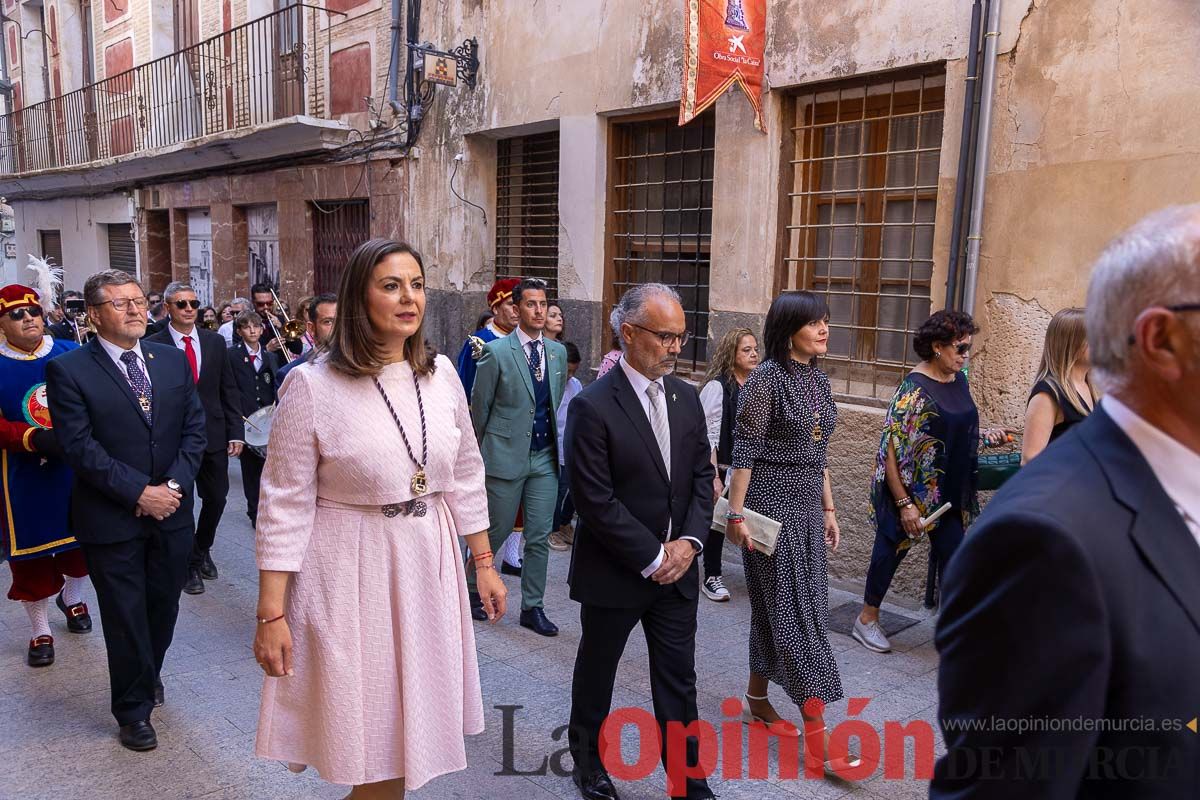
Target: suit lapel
518,354
1158,532
675,412
632,406
107,366
157,378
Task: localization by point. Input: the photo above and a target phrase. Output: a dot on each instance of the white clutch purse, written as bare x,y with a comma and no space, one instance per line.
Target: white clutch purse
764,531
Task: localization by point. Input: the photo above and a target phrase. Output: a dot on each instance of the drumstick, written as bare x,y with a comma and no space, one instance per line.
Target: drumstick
251,424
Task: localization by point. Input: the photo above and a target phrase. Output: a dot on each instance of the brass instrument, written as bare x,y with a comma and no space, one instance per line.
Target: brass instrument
293,329
211,324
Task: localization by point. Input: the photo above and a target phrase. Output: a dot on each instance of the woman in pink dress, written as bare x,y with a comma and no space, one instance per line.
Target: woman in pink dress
363,622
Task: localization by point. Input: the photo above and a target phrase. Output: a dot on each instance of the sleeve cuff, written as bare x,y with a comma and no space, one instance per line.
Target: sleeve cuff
655,564
278,565
27,439
699,543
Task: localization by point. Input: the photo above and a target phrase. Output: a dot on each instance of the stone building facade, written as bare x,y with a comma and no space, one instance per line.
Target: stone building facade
566,162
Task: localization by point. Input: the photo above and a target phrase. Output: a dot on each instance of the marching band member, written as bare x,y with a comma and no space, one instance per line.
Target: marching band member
254,368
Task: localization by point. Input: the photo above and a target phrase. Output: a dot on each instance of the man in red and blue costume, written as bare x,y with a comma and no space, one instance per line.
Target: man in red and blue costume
504,319
35,483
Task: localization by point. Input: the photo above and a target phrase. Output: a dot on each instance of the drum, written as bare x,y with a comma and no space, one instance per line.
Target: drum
258,429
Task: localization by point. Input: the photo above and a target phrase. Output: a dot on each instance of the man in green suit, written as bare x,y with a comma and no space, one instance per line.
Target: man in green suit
519,383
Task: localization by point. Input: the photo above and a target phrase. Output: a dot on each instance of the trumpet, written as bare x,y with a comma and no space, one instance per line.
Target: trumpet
293,329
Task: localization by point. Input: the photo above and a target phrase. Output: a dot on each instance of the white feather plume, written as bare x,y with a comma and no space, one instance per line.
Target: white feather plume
48,279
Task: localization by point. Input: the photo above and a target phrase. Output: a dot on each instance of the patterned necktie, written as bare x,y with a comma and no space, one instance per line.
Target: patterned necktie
535,360
190,352
658,423
138,382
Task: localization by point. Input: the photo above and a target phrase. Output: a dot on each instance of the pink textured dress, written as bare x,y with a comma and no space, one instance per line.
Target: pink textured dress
386,681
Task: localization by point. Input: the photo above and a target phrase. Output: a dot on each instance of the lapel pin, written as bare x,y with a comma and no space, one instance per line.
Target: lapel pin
672,397
149,355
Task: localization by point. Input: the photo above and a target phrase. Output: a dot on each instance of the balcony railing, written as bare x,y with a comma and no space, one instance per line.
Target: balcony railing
265,70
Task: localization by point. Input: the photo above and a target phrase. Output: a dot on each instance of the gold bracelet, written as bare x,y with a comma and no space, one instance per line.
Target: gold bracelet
263,621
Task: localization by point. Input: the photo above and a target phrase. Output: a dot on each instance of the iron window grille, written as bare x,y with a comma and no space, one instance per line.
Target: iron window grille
527,208
660,218
860,219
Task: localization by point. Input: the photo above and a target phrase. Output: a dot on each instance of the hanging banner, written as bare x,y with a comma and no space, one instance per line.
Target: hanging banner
724,43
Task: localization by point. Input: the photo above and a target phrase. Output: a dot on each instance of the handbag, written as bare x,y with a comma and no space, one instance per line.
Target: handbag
764,531
995,469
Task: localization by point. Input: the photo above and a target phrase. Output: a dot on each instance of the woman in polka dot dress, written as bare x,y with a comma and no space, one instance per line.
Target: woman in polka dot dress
786,416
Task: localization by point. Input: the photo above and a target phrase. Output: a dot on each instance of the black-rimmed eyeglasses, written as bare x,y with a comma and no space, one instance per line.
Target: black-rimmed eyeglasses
667,338
1178,308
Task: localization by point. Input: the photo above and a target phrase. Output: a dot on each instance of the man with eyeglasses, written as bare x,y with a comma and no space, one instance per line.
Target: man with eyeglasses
205,353
35,485
128,417
1073,606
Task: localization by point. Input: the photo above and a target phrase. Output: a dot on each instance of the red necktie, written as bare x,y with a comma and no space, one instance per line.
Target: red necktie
191,357
254,361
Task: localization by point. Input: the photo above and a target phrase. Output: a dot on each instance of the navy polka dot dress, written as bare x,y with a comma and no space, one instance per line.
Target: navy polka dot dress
789,591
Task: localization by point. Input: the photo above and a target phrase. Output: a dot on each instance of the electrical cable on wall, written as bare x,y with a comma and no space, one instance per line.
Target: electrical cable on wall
454,191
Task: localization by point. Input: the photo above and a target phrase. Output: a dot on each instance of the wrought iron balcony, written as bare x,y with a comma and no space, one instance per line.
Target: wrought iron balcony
266,71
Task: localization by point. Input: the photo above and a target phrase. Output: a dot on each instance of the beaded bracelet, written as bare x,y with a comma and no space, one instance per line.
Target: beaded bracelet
904,502
733,516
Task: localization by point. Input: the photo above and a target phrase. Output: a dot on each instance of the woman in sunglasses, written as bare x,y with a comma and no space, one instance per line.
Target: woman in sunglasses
928,456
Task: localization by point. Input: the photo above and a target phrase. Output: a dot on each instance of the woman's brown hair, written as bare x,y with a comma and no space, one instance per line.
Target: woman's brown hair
354,349
721,364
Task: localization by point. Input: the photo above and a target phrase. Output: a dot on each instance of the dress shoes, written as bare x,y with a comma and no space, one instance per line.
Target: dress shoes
208,570
139,736
41,651
160,695
477,612
510,569
535,620
596,786
78,618
194,584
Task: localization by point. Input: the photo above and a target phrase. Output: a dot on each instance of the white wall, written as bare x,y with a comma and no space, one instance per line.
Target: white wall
81,222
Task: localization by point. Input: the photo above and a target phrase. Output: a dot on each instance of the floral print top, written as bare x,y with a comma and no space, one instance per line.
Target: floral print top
934,429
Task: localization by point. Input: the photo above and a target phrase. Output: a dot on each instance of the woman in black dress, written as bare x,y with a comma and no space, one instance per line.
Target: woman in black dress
785,418
928,456
1062,394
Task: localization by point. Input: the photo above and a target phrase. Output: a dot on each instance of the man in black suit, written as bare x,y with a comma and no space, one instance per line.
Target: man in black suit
67,328
254,369
205,353
1071,613
639,470
129,420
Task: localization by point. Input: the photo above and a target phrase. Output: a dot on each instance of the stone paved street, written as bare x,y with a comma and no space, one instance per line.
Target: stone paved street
59,740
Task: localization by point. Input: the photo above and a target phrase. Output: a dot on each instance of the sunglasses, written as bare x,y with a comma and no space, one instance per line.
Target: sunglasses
182,304
19,314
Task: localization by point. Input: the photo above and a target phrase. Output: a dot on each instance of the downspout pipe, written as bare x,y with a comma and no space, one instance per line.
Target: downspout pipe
966,141
394,66
975,231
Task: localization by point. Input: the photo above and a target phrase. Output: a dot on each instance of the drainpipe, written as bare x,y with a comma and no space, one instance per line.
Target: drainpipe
394,67
966,141
975,232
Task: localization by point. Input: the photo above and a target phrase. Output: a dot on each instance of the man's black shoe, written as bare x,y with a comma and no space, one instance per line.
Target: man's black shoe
41,651
596,786
139,736
535,620
208,570
509,569
477,612
160,695
193,584
78,618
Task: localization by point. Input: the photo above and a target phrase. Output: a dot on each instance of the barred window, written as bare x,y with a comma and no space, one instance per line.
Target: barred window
661,190
860,230
527,208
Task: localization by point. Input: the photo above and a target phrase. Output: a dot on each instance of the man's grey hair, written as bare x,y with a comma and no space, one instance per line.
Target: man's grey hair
243,302
1154,263
93,289
174,288
631,307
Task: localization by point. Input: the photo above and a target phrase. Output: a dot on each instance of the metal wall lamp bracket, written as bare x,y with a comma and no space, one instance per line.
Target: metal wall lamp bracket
434,63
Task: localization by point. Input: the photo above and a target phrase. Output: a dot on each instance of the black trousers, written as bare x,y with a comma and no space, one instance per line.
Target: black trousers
670,627
138,583
252,470
712,553
944,540
212,487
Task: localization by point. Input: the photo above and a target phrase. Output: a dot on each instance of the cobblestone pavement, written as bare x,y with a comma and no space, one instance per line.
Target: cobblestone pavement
59,741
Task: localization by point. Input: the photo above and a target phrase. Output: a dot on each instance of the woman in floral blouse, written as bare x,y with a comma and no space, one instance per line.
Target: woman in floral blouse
928,456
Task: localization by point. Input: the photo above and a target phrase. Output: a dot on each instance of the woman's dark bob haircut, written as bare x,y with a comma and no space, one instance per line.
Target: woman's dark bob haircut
790,312
354,347
943,327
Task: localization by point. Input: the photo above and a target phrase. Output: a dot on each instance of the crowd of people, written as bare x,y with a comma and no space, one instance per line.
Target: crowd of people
383,526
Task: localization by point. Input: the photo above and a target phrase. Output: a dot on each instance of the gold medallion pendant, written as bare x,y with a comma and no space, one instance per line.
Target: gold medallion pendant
418,484
817,435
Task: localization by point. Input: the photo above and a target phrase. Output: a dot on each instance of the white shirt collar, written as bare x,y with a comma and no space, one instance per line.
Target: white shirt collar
177,337
491,326
115,351
253,352
638,380
1175,466
526,338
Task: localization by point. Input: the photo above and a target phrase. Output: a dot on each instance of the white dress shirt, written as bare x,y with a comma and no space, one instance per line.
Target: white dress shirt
574,387
712,398
177,337
640,383
525,339
256,358
226,330
1176,467
115,351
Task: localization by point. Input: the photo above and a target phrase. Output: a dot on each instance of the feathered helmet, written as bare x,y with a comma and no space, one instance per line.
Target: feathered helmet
47,280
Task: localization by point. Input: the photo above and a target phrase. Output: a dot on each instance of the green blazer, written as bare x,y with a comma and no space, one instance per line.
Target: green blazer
502,404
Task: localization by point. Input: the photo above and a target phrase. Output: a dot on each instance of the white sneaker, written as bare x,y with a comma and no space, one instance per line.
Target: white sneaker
871,636
714,589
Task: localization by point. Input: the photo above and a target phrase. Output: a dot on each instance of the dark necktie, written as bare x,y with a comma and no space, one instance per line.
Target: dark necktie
535,360
138,382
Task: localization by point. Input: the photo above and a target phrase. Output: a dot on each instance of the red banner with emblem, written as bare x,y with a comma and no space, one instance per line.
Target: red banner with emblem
724,44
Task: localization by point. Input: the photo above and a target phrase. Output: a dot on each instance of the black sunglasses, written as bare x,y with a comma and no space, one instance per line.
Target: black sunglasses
19,314
182,304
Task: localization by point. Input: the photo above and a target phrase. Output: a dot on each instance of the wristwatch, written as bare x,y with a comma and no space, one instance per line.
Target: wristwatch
174,486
